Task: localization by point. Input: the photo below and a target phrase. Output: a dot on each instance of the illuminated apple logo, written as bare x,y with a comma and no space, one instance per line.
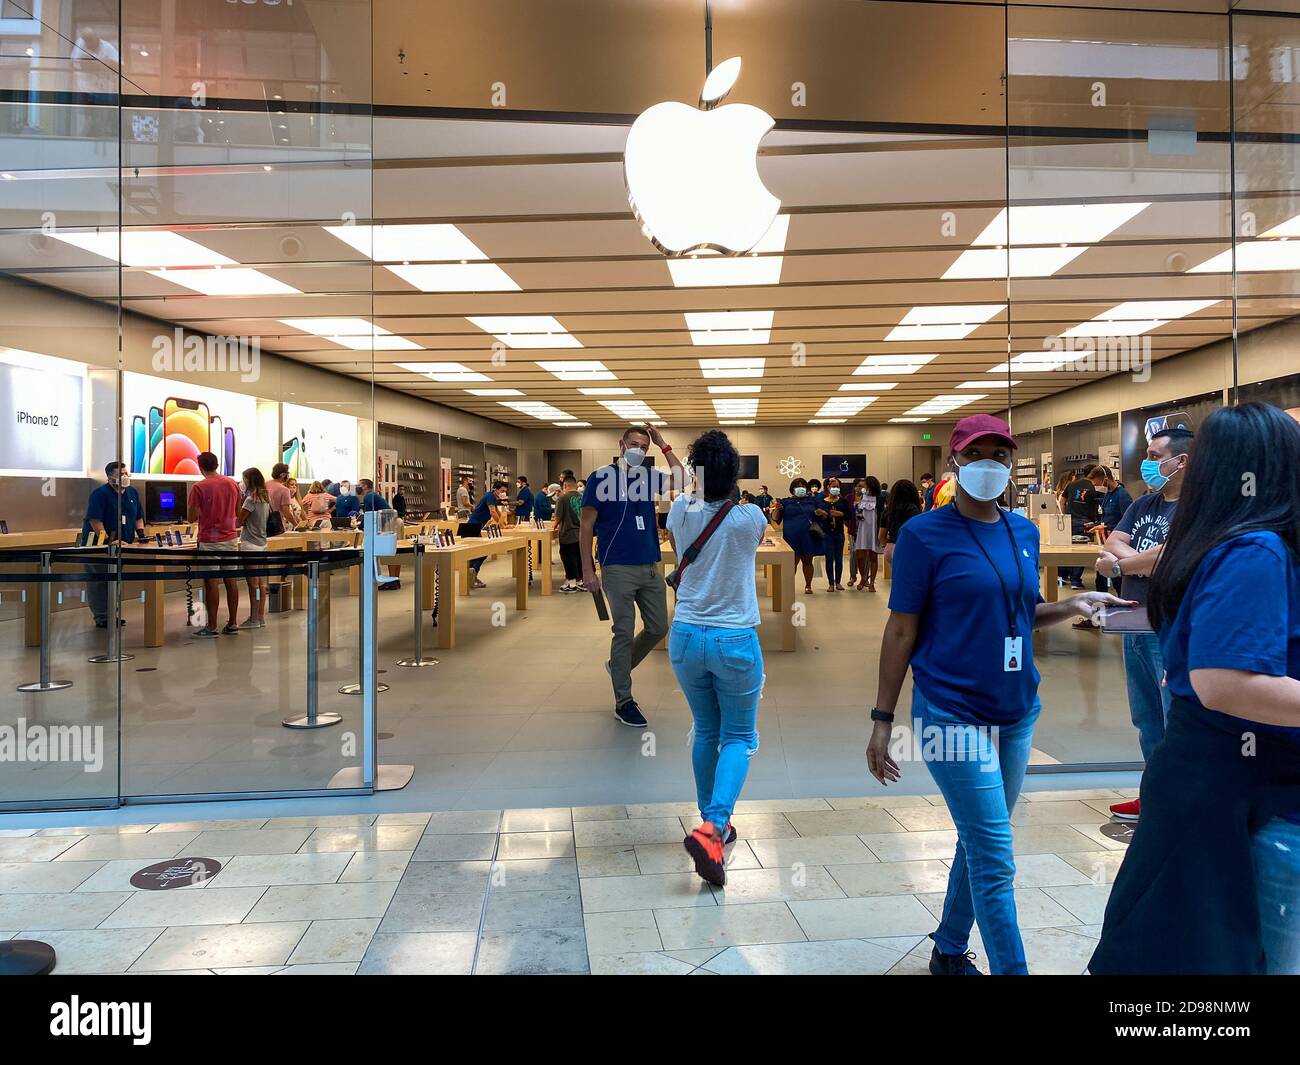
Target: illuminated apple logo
692,173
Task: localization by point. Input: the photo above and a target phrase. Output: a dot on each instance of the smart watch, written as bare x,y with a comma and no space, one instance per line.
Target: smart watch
1115,570
879,715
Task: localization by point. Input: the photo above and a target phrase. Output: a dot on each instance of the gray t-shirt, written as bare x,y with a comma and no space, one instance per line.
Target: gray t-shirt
253,531
717,589
1146,523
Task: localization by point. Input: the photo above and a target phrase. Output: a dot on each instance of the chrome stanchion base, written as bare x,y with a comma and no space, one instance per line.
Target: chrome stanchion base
48,686
26,957
417,662
123,657
322,720
356,689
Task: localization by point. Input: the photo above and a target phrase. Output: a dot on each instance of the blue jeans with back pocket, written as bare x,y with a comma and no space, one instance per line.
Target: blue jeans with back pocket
721,674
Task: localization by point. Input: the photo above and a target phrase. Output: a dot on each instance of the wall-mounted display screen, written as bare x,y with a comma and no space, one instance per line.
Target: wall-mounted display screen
165,501
42,415
843,466
317,442
748,468
168,424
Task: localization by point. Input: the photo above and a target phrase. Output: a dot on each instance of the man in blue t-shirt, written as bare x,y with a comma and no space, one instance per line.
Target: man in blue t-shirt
523,499
544,502
349,503
491,508
1130,554
114,509
620,512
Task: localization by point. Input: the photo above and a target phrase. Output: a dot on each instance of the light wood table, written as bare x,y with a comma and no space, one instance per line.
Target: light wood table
1051,559
543,541
453,567
778,562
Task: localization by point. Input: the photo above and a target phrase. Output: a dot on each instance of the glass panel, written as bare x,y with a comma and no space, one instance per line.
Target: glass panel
1120,187
59,421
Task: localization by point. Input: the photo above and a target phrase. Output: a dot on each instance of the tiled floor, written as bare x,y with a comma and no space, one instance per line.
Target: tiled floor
814,886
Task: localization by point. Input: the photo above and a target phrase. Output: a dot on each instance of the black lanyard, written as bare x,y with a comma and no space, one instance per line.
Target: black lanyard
1015,558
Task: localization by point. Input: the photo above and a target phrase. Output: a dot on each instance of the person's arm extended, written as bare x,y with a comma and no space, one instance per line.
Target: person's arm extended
1254,696
895,655
674,463
586,533
1089,605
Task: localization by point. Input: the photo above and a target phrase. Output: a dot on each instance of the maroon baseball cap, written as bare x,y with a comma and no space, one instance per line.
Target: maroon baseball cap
977,425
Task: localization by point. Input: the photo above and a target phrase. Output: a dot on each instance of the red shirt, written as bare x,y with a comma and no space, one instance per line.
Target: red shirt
217,499
279,494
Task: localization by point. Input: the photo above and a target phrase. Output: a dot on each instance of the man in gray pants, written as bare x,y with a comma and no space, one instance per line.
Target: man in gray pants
619,511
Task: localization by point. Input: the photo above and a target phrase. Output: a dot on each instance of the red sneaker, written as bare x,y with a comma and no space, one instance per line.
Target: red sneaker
1125,811
705,846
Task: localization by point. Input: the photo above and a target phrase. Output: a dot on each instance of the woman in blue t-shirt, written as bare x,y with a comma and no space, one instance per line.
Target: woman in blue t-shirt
964,605
796,514
1211,882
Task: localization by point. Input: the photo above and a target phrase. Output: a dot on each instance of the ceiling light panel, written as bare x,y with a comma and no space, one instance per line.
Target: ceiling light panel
729,327
845,406
632,409
1018,262
1065,223
579,370
526,331
602,391
355,333
712,269
535,409
871,386
228,281
1004,383
735,408
493,392
943,323
944,404
724,390
732,367
892,364
161,248
444,371
1254,256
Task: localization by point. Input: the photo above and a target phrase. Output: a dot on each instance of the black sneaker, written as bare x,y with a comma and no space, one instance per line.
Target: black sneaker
942,964
630,714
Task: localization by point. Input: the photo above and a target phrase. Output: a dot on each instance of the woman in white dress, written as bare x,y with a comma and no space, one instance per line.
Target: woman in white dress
866,544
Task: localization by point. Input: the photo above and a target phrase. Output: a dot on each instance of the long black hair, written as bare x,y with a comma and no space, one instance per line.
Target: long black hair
713,453
903,493
1243,475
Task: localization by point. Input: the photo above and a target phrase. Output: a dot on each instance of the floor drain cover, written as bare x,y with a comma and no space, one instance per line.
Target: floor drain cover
177,872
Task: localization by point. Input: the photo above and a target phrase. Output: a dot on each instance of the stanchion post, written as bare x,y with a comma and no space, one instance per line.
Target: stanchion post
418,658
360,685
114,652
312,719
45,684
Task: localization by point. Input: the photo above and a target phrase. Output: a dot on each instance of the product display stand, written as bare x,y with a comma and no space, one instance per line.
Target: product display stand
26,957
418,658
312,719
45,684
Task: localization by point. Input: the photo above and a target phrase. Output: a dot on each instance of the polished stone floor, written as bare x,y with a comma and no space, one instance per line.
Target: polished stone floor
838,885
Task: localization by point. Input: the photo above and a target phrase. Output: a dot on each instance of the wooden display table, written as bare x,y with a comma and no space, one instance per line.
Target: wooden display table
453,562
1051,559
543,542
778,562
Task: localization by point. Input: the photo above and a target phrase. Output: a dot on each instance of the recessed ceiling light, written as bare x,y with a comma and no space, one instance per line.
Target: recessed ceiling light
873,386
944,404
1060,223
909,419
943,323
710,268
1289,228
1135,317
735,408
603,391
1031,362
573,425
488,392
633,409
160,248
433,243
893,364
988,384
355,333
723,390
732,367
526,331
846,405
444,371
579,370
456,277
729,327
742,422
535,409
229,281
1254,255
827,421
1018,262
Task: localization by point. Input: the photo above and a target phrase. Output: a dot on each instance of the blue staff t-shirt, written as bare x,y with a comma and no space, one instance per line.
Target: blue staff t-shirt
374,501
524,503
347,505
627,518
481,515
542,508
940,574
102,507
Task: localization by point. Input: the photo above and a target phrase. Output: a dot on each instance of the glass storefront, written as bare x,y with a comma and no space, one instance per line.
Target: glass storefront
1084,217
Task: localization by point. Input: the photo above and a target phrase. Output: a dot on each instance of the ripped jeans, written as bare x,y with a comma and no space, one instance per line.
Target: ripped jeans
721,674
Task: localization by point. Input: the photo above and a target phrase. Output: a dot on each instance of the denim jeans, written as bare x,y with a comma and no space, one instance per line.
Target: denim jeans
980,781
834,558
721,674
1148,698
1276,849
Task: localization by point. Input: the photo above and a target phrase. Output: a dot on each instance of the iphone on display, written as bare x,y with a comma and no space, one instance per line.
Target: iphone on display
155,440
215,437
137,445
229,444
185,434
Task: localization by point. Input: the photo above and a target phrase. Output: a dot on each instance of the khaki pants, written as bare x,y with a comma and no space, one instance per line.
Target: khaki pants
628,588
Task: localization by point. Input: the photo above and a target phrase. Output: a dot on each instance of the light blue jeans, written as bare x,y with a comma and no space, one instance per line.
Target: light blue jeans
1148,698
979,770
1276,849
721,674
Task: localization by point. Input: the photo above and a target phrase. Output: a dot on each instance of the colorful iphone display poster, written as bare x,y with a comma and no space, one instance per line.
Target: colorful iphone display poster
317,442
42,405
169,423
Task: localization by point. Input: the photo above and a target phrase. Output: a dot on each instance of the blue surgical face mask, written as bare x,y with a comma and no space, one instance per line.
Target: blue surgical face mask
634,456
1152,475
800,492
835,491
984,479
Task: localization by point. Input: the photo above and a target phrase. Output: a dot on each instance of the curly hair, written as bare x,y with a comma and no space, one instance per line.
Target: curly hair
716,456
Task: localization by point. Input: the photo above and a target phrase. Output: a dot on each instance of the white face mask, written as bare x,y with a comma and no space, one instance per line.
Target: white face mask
123,480
634,456
800,492
984,479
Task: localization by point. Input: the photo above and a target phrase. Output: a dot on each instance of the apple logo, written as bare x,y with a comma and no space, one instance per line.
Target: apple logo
692,173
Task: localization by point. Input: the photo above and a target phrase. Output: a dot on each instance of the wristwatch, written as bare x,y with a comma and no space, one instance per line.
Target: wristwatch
879,715
1115,570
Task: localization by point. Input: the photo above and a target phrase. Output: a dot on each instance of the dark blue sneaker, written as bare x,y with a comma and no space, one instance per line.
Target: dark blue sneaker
942,964
630,714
